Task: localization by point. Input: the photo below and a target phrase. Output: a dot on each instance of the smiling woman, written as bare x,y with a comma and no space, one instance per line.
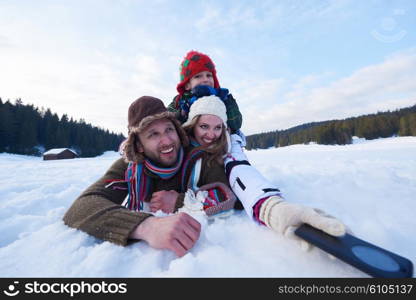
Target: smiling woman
207,127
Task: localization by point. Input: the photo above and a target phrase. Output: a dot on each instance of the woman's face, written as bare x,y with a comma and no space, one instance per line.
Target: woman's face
208,129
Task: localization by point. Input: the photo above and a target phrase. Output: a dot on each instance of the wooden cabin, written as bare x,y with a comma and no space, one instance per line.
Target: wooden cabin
59,153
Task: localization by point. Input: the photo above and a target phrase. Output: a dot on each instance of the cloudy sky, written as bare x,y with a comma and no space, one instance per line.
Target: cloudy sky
286,62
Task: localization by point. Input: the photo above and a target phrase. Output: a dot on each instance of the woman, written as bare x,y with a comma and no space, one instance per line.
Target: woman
210,142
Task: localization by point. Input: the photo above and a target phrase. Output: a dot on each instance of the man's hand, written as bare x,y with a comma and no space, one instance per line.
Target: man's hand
164,200
178,233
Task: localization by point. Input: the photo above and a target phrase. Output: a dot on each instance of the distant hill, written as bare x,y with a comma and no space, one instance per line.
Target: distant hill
25,129
400,122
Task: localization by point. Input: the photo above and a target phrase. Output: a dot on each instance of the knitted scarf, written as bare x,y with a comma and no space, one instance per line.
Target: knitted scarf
139,182
189,172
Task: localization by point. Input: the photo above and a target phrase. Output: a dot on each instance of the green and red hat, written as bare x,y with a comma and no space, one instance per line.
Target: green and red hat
194,63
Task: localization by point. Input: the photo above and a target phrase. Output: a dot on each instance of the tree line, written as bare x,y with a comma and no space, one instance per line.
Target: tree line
383,124
25,129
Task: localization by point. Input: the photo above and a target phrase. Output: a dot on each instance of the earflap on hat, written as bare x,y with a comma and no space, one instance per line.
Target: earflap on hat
195,62
131,147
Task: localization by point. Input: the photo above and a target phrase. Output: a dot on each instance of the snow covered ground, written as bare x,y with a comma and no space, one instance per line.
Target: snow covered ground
370,185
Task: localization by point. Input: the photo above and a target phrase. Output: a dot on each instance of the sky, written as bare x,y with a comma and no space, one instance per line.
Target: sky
285,62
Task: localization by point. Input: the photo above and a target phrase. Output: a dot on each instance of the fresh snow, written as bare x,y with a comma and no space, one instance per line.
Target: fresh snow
57,151
370,185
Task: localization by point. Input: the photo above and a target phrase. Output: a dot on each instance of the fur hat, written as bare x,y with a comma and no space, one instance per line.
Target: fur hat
142,108
194,63
142,112
208,105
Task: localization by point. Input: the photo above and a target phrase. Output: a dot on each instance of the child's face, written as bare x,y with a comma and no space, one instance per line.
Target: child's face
202,78
208,129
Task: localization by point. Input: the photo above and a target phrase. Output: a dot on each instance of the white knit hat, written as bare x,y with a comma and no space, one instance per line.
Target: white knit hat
208,105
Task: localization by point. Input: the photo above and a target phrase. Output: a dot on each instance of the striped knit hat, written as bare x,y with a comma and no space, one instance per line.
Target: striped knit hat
194,63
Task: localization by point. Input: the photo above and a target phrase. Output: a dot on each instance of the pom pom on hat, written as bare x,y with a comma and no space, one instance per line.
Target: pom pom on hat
208,105
194,63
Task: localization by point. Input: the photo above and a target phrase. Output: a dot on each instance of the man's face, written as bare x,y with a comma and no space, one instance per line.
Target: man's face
160,142
202,78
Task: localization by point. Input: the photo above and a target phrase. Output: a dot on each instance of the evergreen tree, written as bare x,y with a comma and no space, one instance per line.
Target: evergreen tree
24,127
26,134
6,127
383,124
405,126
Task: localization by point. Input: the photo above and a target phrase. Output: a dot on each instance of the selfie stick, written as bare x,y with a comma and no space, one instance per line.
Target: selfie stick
366,257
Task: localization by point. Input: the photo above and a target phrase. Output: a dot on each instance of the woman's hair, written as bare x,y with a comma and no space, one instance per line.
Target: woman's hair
217,150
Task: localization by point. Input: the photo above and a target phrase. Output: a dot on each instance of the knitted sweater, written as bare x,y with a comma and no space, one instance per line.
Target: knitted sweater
98,210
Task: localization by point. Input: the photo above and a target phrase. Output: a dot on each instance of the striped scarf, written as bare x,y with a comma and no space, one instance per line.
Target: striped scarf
189,170
139,182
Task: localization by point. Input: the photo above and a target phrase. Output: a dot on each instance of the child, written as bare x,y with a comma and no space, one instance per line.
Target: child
198,78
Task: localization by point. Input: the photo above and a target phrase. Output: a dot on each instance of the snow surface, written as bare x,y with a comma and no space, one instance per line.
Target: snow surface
370,185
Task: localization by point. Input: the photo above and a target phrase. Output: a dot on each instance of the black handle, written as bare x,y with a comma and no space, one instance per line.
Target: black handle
363,255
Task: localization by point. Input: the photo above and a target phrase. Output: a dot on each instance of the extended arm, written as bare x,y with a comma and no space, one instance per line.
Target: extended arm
98,211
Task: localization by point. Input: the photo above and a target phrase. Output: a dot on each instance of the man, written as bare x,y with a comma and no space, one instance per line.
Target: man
98,210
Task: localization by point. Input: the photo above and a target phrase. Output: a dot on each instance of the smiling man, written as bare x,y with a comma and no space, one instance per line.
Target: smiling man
150,167
160,142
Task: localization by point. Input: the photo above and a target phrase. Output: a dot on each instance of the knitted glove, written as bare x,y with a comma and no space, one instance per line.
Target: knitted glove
205,90
205,199
233,113
284,217
213,193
